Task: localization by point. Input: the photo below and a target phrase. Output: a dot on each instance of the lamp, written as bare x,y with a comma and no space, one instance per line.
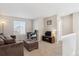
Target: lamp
2,23
54,33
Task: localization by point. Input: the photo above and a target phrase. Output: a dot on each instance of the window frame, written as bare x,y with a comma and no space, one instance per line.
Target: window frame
19,25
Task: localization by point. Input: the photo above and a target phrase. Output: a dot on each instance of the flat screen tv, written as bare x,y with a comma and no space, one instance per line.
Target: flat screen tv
48,33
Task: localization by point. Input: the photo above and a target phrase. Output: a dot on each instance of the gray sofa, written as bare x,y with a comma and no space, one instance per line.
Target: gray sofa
9,47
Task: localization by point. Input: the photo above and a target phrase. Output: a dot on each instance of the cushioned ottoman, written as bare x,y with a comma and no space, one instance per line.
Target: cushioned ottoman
30,45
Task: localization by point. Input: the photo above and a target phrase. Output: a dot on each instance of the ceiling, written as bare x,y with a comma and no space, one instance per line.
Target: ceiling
34,10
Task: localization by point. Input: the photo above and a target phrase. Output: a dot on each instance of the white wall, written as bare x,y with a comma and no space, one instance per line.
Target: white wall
76,30
67,24
29,25
51,27
59,28
38,24
8,26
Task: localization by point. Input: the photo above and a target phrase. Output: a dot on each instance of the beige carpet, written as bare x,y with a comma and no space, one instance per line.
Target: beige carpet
46,49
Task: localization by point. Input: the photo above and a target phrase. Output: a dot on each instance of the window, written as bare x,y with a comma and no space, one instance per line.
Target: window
19,27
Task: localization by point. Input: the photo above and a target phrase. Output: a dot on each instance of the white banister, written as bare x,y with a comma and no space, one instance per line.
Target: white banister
69,44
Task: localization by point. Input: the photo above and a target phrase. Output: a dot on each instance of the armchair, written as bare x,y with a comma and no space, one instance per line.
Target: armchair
32,35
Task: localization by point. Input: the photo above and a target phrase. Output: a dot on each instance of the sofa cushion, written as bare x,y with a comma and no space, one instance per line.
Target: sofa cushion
2,37
7,39
1,41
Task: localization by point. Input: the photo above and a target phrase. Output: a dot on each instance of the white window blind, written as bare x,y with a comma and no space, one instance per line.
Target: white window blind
19,27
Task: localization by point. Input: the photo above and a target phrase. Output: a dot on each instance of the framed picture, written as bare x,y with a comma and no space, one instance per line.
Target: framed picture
49,22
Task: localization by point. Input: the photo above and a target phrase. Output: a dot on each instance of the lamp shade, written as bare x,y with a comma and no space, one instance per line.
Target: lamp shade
54,33
3,22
